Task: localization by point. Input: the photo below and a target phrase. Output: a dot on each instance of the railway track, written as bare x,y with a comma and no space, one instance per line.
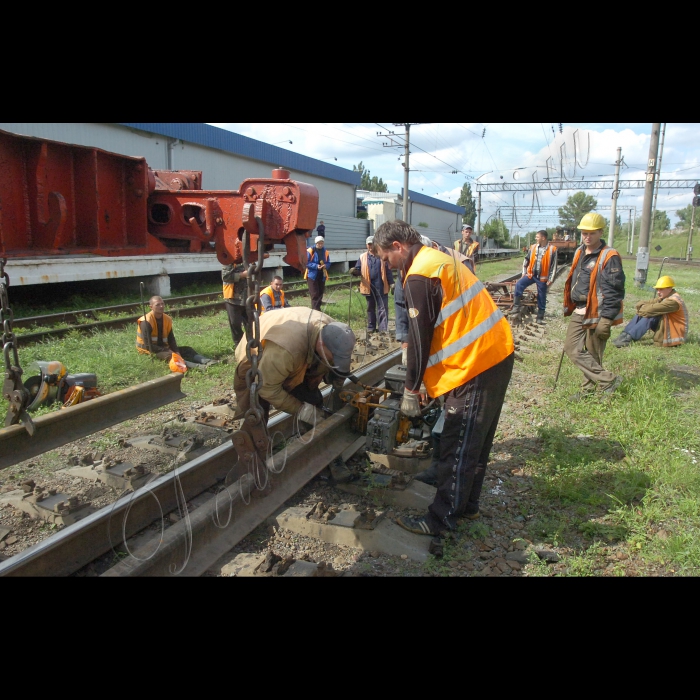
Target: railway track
231,500
203,304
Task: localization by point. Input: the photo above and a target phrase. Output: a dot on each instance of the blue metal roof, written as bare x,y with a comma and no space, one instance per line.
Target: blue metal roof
223,140
432,202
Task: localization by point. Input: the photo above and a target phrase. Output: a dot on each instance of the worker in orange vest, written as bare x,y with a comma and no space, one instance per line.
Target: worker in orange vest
460,349
667,316
375,282
593,296
154,336
539,267
272,297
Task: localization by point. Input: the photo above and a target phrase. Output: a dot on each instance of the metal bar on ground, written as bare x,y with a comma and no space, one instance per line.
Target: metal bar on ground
69,424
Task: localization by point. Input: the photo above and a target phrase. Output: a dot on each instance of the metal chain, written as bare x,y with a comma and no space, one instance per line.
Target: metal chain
253,377
13,389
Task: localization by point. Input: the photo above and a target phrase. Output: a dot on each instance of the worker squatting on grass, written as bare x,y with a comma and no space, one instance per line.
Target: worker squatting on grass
155,336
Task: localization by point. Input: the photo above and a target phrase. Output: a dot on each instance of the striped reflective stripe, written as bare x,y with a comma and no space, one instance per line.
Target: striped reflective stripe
460,302
474,334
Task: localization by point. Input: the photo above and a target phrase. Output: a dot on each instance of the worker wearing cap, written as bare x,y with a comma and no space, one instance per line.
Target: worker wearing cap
317,264
461,348
466,245
539,267
375,282
593,296
667,316
301,347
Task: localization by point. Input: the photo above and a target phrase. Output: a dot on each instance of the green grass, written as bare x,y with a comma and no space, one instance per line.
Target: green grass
638,469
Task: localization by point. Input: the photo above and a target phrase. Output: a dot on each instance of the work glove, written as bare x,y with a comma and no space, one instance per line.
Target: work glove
602,330
410,404
404,356
310,414
355,272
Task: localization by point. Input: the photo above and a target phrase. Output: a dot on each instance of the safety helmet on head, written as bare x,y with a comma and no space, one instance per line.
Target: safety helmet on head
664,282
591,222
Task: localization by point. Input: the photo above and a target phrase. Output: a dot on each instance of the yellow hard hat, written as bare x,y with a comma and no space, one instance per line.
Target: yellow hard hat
664,282
592,222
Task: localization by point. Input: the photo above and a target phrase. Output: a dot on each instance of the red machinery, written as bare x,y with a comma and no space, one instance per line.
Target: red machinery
58,198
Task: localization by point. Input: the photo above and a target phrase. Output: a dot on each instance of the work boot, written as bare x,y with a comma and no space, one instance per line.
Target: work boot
613,387
516,312
540,316
428,476
623,340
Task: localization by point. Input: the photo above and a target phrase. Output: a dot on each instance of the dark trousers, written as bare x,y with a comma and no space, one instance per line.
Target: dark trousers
471,417
377,305
237,316
639,325
302,392
316,288
524,282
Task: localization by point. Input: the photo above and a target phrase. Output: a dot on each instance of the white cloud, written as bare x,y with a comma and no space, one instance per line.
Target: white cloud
507,153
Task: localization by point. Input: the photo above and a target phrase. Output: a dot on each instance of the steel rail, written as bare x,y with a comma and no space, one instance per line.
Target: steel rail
69,424
73,316
24,339
77,545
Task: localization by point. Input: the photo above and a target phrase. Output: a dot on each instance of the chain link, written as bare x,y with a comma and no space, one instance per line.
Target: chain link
13,389
253,376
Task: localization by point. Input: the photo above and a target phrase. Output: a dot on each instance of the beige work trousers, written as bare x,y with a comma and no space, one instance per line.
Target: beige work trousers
586,352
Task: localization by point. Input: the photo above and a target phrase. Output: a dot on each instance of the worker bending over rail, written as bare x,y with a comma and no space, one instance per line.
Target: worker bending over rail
301,348
154,335
461,349
667,317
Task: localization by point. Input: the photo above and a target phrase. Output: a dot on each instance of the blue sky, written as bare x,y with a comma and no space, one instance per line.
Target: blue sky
496,152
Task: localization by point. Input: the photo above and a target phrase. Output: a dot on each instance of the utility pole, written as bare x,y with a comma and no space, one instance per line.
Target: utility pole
629,229
658,176
634,222
640,277
615,195
478,217
690,233
392,143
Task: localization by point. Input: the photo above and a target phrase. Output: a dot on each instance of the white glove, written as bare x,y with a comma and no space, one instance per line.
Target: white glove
310,414
410,404
404,357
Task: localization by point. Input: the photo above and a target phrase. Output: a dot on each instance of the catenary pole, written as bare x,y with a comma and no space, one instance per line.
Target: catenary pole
690,236
615,195
658,175
642,268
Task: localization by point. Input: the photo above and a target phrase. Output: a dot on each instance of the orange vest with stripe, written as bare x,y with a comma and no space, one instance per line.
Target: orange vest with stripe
141,343
310,253
365,284
471,335
676,324
544,263
595,296
270,292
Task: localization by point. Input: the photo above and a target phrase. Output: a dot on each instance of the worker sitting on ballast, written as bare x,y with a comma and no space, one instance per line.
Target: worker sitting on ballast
154,336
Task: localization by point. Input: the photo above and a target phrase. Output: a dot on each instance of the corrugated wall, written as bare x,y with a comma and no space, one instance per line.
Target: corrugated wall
344,232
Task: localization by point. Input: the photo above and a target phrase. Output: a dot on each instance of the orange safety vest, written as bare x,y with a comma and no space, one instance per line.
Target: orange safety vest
473,247
471,334
309,253
141,345
595,296
365,284
544,264
270,292
676,324
228,290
